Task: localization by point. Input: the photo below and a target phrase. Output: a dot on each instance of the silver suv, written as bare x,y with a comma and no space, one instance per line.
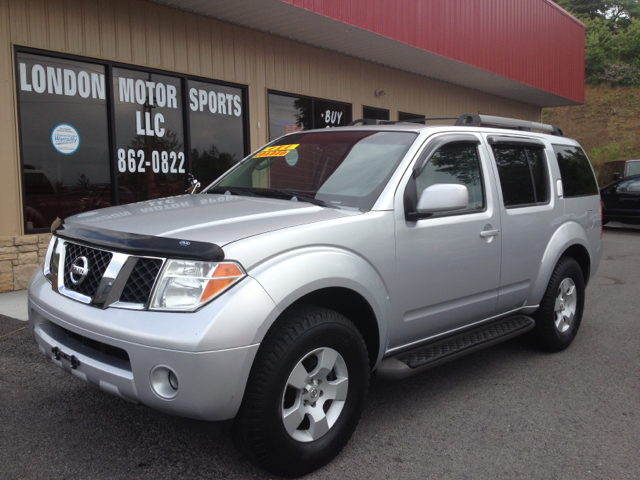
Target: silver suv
271,297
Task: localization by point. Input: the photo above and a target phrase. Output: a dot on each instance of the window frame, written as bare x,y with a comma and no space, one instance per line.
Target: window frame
111,124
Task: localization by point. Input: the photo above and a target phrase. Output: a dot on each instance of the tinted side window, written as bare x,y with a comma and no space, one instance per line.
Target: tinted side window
523,175
538,168
515,177
455,163
577,176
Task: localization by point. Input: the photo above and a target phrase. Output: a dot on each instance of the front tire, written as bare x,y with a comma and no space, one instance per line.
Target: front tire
560,313
305,393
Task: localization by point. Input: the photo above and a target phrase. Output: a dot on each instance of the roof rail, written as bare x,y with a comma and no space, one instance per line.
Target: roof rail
370,121
375,121
473,120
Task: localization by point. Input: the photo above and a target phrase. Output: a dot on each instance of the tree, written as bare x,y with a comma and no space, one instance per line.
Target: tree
581,8
612,39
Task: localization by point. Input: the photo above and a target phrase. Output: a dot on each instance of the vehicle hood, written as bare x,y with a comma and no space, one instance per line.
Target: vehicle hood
218,219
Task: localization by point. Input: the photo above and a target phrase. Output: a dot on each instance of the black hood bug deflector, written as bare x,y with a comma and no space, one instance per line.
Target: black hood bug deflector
142,245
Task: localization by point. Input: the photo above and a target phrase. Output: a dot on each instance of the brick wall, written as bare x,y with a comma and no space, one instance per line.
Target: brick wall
19,258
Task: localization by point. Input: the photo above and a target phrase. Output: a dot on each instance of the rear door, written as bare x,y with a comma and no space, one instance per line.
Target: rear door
529,213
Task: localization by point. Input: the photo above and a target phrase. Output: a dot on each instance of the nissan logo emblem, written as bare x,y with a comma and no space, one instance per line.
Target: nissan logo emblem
79,270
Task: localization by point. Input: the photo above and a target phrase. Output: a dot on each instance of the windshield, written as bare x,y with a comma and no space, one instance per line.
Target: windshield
334,168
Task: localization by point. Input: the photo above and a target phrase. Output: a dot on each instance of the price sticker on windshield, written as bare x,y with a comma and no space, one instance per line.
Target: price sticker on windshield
279,151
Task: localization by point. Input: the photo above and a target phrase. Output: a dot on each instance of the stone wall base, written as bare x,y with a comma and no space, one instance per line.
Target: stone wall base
19,259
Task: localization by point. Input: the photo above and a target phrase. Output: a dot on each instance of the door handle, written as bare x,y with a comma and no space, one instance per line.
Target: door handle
489,233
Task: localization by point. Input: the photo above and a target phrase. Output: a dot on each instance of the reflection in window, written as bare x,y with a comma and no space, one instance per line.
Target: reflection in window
215,129
629,186
289,114
149,135
522,175
538,167
457,164
64,138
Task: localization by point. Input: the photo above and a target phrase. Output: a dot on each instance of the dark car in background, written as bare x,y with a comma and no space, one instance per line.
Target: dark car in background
612,171
621,200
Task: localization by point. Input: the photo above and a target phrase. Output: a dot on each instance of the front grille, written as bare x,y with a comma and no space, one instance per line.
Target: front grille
98,261
140,282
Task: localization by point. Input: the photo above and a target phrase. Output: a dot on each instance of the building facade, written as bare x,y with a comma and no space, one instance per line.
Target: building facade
117,101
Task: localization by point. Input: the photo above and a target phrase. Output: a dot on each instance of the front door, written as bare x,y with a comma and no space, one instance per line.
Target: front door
448,265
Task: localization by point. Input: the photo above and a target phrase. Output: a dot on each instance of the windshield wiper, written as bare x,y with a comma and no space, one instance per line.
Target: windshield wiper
303,197
232,191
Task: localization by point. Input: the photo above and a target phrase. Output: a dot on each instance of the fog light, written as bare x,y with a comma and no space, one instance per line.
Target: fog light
164,382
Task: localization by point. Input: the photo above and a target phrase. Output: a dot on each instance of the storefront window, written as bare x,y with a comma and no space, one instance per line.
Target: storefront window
63,138
403,116
330,114
215,129
375,113
289,114
150,154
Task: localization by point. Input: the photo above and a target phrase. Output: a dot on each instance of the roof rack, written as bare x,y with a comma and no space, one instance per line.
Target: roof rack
474,120
375,121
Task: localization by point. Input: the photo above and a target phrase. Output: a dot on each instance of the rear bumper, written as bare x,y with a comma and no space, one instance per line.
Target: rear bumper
210,383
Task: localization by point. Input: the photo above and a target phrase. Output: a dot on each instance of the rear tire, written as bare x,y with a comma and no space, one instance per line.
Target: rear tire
560,313
305,392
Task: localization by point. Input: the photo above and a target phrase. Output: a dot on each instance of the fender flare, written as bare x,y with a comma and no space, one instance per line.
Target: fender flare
314,268
566,236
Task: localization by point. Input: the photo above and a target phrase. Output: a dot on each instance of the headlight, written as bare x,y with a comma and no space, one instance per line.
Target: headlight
186,284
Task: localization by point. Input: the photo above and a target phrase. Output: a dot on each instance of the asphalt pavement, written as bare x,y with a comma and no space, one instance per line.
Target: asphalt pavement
508,412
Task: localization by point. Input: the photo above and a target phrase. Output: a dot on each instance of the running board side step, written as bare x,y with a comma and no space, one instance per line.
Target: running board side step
431,355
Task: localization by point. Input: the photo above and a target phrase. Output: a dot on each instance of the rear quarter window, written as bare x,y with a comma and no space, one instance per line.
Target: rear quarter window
577,176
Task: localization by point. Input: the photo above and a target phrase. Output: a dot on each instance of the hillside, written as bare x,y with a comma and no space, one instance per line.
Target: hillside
607,125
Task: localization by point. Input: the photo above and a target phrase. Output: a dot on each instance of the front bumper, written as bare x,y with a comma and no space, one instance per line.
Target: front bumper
133,363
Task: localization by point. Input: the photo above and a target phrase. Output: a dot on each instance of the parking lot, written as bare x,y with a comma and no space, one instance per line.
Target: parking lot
506,412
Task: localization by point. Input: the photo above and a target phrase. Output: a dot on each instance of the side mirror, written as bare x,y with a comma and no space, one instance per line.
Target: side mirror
616,176
443,197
